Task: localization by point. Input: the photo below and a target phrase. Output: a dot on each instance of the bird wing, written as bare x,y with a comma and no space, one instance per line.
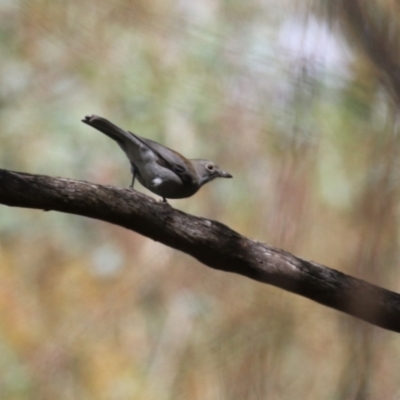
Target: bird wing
170,159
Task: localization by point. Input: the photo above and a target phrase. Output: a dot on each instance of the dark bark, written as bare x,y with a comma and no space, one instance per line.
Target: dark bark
210,242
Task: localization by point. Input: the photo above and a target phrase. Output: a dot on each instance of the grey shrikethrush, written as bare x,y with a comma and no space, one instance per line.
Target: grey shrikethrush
163,171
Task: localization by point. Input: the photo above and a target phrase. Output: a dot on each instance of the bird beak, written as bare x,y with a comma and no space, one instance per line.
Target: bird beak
225,174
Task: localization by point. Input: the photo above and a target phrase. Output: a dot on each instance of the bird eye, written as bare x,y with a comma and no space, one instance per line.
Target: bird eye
210,167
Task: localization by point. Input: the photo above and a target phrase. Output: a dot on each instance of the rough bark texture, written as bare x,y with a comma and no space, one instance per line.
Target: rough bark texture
210,242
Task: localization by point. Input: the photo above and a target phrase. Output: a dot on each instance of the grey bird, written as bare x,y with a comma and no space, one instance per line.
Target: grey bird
163,171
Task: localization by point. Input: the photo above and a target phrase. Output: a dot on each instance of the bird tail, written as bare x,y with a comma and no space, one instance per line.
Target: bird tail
108,128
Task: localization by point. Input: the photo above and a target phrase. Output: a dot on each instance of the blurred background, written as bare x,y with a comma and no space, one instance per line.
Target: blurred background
288,97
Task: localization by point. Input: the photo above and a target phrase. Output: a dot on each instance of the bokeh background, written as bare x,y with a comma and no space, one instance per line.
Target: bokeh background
281,95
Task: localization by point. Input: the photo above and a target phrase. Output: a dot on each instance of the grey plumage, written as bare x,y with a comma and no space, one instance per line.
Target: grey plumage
160,169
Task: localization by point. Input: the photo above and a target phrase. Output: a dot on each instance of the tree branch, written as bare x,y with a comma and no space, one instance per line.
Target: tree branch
210,242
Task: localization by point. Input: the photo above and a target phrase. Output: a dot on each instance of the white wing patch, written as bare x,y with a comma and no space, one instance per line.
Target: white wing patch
156,182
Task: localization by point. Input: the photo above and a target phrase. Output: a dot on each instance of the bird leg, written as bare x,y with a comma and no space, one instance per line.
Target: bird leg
133,180
133,177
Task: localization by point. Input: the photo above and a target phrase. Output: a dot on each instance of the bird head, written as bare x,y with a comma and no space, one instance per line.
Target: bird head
207,171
